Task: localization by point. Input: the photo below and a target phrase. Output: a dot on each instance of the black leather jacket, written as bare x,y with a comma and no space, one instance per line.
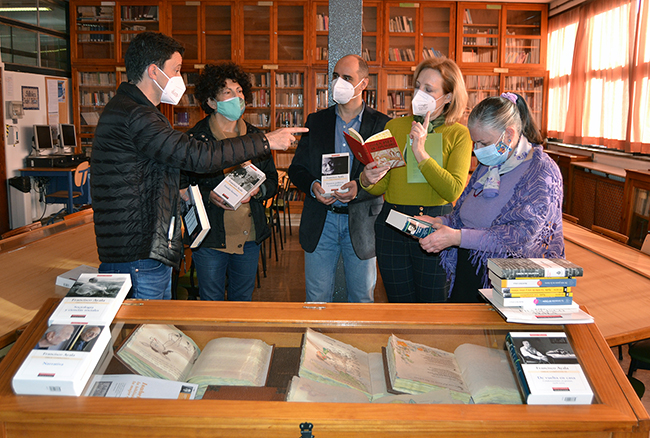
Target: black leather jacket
135,165
216,238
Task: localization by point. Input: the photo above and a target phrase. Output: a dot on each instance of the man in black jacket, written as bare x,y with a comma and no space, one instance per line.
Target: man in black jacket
136,161
342,224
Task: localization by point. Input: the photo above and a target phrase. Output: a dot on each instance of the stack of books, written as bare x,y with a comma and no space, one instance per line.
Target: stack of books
78,333
533,282
535,290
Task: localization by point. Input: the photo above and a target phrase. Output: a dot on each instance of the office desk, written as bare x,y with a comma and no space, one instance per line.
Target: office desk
615,287
62,179
28,274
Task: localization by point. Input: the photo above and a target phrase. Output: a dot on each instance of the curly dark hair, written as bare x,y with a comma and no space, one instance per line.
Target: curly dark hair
213,79
149,48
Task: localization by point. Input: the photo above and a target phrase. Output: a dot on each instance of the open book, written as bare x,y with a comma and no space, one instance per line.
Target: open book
195,218
327,360
239,183
381,148
472,372
165,352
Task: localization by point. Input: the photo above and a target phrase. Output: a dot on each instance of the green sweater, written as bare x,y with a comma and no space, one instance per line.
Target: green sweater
445,184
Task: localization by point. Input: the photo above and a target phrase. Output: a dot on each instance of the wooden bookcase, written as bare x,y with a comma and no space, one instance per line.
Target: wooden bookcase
499,47
616,412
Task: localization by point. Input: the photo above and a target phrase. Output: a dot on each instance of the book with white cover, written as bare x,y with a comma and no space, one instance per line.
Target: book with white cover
335,172
239,183
68,278
547,369
62,361
135,386
93,299
195,218
409,224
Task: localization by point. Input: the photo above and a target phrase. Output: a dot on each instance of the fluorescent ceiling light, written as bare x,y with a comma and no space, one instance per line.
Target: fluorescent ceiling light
25,9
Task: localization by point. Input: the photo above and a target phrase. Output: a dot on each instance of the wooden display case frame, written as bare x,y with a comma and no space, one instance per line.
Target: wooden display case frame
617,412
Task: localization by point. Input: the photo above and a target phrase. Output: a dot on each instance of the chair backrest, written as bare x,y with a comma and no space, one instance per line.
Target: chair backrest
611,234
81,174
646,244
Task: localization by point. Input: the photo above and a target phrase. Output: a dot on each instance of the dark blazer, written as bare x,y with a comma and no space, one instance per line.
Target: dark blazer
306,168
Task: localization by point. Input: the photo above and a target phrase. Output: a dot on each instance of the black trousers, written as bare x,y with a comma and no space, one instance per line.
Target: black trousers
467,282
409,274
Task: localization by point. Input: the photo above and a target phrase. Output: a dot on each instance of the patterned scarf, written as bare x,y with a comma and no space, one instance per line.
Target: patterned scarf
488,184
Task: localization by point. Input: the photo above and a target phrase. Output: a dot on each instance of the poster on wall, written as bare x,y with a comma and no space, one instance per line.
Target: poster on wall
30,98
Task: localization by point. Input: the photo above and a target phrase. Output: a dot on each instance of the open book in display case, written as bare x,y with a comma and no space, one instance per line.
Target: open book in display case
615,412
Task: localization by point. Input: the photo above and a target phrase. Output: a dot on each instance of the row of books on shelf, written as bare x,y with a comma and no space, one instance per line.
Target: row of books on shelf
260,98
472,55
288,118
401,23
140,13
400,81
182,118
97,98
104,79
259,120
430,52
98,13
322,22
91,27
322,53
161,361
322,98
522,57
288,99
370,97
395,54
476,82
95,38
284,80
260,79
480,41
367,55
399,99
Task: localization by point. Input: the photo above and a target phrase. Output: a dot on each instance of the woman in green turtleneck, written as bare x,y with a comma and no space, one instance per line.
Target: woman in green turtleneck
426,185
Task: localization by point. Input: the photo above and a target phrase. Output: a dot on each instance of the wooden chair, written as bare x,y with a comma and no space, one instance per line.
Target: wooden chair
609,233
80,179
569,218
281,204
645,248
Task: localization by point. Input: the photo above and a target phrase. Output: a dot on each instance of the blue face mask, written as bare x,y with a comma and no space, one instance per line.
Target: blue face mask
232,109
494,154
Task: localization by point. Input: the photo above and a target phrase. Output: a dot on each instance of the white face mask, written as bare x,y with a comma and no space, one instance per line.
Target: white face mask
423,102
343,91
174,89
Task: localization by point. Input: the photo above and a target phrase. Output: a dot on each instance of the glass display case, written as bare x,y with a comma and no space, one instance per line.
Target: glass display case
615,412
637,206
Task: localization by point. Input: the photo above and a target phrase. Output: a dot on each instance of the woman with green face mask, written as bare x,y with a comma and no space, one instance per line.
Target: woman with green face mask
232,247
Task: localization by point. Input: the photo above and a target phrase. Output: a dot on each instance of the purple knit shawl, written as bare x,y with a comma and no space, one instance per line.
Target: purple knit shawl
529,225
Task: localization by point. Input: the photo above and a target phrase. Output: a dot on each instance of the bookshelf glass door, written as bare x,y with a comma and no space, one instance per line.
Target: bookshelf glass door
370,37
185,28
289,105
480,35
399,94
523,37
219,27
291,32
402,22
135,20
321,26
95,32
479,87
437,33
257,31
96,88
530,88
258,112
322,90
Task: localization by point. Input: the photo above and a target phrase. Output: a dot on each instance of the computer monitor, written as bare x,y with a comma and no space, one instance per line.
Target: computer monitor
43,139
68,136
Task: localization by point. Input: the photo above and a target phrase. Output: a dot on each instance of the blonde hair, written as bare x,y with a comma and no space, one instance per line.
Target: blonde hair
452,83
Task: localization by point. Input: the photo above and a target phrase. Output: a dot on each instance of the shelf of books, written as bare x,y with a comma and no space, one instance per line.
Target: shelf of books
370,32
95,31
321,80
399,93
137,19
321,33
429,370
401,25
188,111
438,30
258,112
96,87
524,39
479,34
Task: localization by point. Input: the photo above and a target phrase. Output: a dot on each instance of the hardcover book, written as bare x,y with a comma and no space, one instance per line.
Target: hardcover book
93,299
335,172
165,352
533,282
239,183
195,218
62,361
514,268
409,224
534,301
547,369
67,279
381,148
135,386
471,372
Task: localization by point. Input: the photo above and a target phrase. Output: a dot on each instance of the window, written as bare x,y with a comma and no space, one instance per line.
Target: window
34,33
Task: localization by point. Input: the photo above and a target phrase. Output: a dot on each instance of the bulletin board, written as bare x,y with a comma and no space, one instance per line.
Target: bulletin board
56,100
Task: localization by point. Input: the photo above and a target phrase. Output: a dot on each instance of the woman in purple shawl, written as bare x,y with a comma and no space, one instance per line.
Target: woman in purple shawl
512,206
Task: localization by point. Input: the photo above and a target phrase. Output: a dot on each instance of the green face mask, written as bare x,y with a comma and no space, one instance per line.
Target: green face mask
232,109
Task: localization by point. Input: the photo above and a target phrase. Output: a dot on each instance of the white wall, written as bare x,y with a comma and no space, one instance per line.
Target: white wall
16,154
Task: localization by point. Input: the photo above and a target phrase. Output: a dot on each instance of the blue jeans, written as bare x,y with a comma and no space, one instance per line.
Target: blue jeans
152,280
320,265
212,266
